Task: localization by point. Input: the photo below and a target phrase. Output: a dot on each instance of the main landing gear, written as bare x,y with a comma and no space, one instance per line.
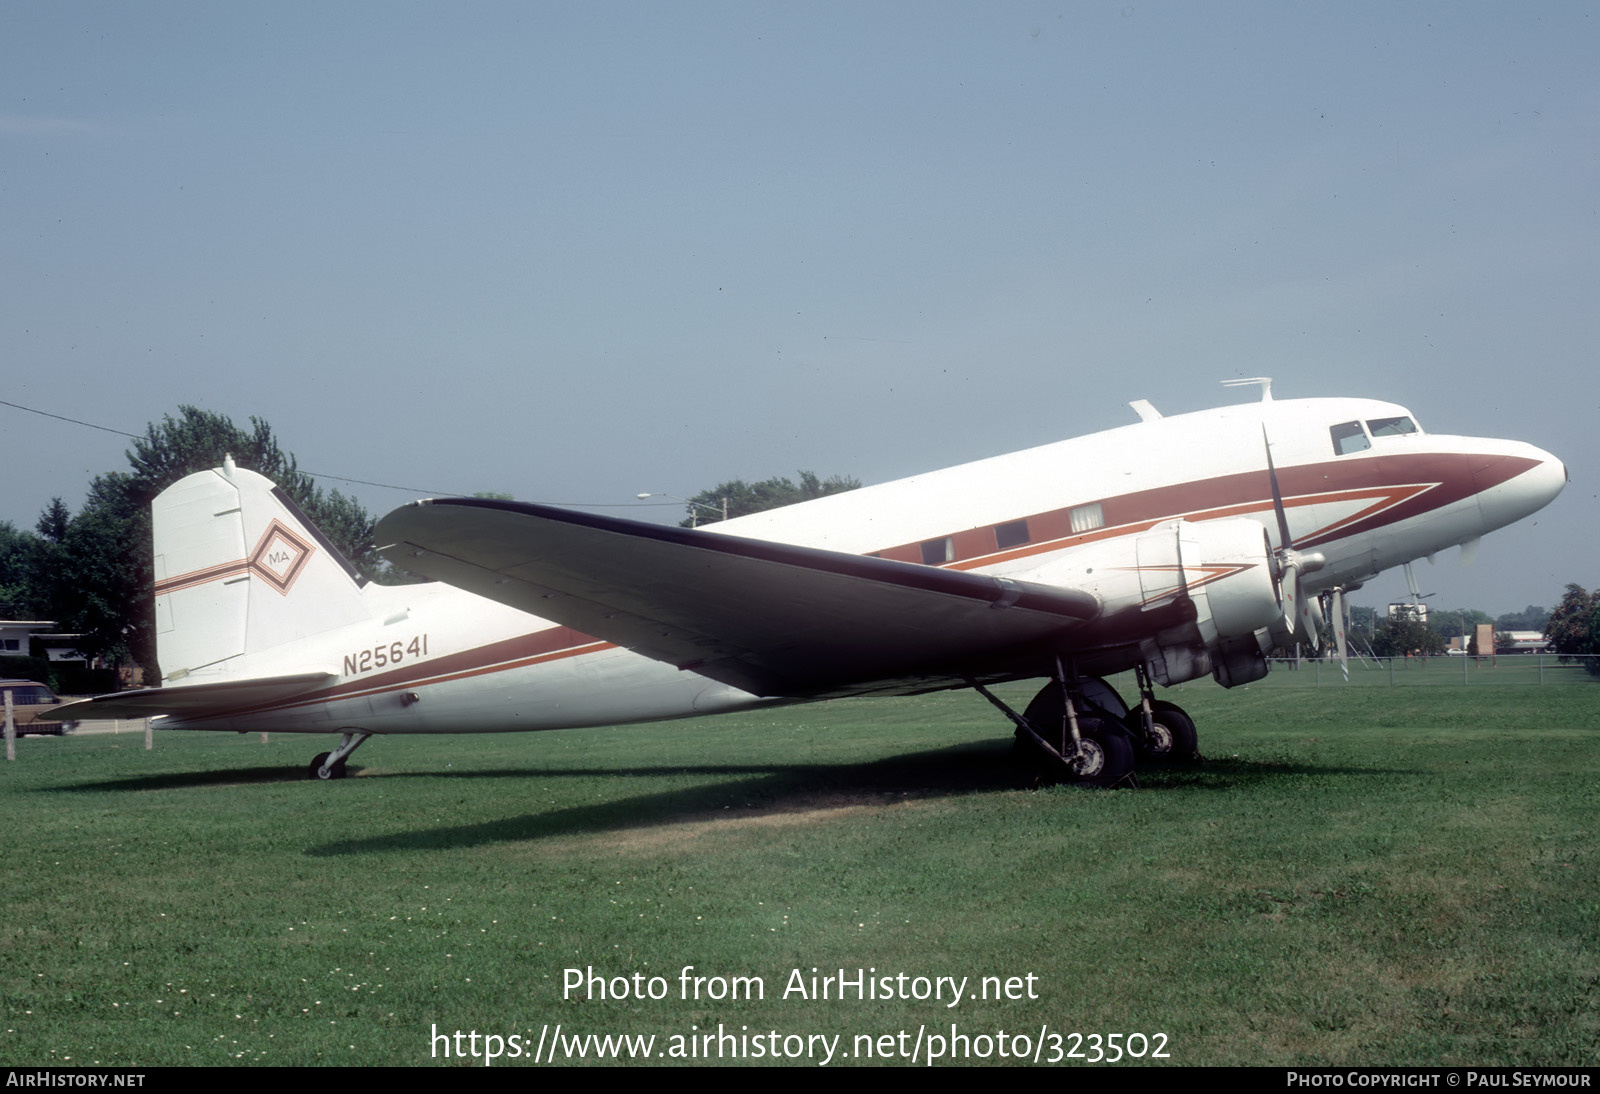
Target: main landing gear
1078,729
330,765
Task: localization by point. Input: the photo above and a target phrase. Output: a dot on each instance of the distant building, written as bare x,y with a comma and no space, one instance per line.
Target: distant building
62,649
1526,641
17,634
1409,610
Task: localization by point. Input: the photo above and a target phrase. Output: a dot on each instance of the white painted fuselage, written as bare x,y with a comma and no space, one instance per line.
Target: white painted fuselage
435,659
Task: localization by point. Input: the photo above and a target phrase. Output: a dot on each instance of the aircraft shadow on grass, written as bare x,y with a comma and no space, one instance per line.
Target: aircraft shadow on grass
959,769
771,789
785,789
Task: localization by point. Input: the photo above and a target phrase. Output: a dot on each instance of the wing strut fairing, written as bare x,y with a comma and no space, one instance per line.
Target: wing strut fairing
771,618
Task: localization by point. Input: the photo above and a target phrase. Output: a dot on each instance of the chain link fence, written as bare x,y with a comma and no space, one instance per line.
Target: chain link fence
1500,670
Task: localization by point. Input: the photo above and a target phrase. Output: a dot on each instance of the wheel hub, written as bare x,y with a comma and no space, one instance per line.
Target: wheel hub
1088,759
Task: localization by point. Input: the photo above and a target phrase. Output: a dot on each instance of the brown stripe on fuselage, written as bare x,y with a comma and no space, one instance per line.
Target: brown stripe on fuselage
552,644
1400,486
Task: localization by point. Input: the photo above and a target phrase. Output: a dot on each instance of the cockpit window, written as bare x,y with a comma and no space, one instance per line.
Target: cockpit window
1391,427
1349,437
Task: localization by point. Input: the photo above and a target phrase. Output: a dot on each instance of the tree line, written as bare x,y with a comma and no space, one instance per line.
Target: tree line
737,498
1572,629
91,571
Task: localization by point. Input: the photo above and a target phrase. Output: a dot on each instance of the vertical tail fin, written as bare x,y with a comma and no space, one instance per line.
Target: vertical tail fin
240,570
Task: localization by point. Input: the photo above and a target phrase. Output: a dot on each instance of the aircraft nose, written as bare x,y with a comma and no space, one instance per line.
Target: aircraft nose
1519,495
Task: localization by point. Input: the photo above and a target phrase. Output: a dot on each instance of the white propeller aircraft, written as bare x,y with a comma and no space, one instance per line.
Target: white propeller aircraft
1174,547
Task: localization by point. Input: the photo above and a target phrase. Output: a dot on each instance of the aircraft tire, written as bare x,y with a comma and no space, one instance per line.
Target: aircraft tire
1188,754
1177,741
334,772
1105,757
1096,691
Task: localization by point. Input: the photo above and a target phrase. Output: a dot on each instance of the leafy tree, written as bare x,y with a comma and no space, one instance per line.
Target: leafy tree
53,521
1363,620
1531,618
17,550
744,498
1447,622
95,570
199,439
1397,637
1574,627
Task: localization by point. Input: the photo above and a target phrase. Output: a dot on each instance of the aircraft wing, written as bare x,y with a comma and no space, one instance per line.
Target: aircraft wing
216,699
770,618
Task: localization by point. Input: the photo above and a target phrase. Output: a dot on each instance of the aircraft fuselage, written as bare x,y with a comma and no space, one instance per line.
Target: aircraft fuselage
1360,485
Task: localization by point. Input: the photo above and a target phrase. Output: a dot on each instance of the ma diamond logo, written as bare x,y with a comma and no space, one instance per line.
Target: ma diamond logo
280,556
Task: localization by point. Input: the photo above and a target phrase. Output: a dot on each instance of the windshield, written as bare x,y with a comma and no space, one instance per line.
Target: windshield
1391,427
1348,437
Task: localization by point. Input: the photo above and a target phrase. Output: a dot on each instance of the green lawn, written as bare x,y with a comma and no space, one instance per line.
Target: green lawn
1359,875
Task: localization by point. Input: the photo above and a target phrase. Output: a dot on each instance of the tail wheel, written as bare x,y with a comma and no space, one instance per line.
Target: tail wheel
316,771
1173,740
1104,756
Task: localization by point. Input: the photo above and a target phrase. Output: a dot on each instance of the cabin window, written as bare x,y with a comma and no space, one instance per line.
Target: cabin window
1391,427
1086,518
1349,437
936,552
1013,533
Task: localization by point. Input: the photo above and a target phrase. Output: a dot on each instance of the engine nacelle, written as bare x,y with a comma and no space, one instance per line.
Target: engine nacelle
1224,569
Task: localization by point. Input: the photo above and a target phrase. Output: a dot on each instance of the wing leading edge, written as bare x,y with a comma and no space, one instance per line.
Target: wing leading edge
771,618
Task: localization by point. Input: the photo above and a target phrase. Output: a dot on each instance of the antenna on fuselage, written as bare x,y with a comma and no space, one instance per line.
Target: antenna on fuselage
1146,412
1264,381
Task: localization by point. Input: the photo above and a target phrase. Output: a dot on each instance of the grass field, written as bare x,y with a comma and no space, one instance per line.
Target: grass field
1360,875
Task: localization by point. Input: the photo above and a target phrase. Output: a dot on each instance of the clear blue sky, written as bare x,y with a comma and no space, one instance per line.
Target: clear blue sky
579,251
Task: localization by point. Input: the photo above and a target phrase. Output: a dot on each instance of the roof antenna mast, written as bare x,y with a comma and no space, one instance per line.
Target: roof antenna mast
1264,381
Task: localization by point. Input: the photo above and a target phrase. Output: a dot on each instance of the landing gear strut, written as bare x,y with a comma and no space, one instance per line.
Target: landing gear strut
1163,735
1079,730
330,765
1102,754
1070,731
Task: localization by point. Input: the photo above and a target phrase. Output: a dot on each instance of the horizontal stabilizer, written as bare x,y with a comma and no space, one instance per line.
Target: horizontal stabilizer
194,701
770,618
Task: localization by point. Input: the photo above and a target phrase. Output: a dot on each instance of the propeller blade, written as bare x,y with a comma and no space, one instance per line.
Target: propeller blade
1284,543
1289,589
1311,620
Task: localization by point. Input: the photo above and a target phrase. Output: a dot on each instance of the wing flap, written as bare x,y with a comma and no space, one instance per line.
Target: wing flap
771,618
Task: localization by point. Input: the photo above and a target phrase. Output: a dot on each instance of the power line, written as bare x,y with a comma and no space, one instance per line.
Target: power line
413,490
74,421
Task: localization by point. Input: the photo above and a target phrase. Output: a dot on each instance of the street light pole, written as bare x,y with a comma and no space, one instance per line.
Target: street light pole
694,506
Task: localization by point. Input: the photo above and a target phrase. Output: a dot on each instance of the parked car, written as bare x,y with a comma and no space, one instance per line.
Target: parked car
29,699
